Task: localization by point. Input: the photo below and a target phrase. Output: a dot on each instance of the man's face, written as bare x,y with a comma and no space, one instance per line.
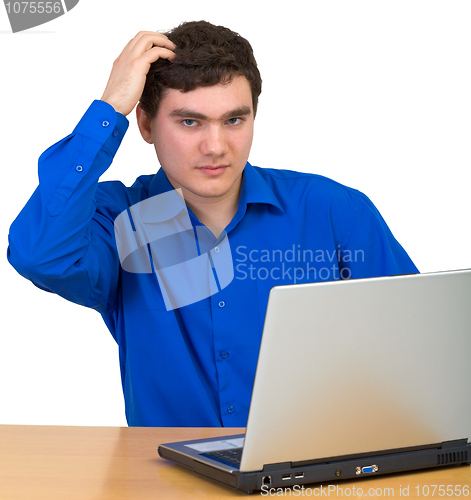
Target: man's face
203,138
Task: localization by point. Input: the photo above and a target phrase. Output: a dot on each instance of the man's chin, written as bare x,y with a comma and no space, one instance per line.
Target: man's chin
211,187
214,188
210,192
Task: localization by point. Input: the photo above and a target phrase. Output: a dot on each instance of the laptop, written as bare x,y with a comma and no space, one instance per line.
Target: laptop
354,379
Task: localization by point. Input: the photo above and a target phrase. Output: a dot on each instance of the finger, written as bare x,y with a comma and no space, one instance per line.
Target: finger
140,43
145,40
155,53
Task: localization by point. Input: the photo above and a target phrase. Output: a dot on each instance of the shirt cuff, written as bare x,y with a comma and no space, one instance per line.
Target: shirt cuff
103,124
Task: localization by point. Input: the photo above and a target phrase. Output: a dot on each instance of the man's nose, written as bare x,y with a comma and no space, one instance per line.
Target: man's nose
214,141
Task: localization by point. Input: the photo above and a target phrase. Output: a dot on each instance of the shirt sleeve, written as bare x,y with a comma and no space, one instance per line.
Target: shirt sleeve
63,239
370,249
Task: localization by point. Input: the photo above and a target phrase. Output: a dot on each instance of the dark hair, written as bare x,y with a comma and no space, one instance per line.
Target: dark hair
205,55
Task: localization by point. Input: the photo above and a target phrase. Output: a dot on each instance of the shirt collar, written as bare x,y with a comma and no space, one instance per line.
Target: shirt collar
159,184
255,189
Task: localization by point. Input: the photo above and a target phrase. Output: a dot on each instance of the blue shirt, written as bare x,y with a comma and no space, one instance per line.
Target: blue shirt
195,365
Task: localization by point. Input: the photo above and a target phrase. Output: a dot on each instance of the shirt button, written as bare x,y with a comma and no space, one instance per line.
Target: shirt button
230,409
105,123
224,354
115,133
79,168
221,303
216,249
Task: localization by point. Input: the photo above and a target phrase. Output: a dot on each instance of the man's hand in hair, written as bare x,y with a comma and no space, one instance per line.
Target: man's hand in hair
128,76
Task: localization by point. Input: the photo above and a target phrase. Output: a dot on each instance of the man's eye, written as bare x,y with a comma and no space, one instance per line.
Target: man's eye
189,122
234,121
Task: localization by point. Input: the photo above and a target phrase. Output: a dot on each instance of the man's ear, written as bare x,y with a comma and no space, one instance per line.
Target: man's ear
143,123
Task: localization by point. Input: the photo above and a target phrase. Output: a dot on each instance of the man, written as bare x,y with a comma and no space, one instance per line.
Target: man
188,362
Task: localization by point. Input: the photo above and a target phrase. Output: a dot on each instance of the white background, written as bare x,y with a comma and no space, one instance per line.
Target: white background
374,94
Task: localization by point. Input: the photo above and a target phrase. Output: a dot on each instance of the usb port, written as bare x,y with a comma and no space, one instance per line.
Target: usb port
284,477
299,475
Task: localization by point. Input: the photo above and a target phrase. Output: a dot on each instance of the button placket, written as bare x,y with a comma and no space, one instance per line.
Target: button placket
224,358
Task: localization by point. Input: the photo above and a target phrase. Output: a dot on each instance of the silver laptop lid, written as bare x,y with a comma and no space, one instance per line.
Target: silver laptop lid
361,366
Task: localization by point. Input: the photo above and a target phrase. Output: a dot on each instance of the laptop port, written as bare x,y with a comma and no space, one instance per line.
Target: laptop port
367,470
285,477
299,475
266,480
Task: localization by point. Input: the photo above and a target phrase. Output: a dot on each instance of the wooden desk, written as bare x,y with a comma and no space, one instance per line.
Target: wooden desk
67,463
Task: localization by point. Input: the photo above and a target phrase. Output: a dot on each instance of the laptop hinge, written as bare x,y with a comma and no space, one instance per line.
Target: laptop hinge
276,467
454,443
393,451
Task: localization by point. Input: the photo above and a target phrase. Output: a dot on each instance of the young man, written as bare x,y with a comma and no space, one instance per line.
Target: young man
187,362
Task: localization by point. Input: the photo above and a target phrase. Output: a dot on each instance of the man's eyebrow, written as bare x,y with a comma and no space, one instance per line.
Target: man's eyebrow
190,113
242,111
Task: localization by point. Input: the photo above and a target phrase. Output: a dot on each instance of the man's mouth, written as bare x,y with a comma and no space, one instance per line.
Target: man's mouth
213,169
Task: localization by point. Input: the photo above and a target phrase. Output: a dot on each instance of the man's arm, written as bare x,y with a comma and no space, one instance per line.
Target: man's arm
63,239
371,249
